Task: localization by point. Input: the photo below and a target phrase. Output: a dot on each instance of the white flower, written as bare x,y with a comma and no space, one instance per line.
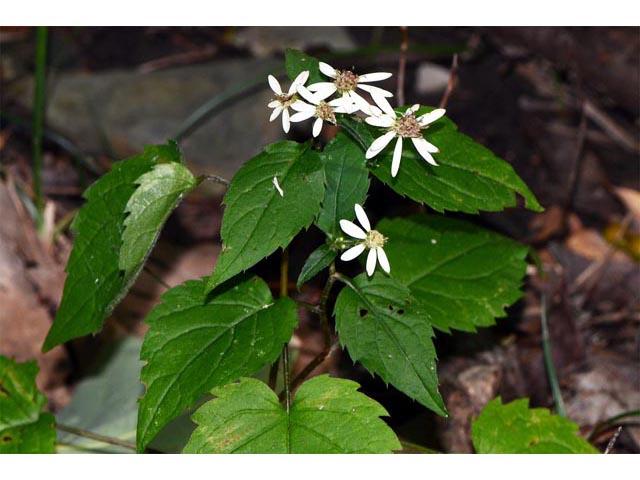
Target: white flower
283,101
323,111
371,239
404,126
345,83
277,185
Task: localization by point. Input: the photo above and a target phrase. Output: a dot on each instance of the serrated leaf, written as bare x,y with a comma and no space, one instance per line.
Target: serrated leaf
297,62
463,275
469,177
319,259
516,428
327,415
36,437
95,284
388,333
105,401
159,192
20,400
197,341
257,219
347,182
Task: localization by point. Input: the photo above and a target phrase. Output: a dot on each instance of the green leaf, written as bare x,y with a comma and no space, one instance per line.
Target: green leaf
327,415
159,192
197,341
388,333
105,401
95,284
319,259
515,428
23,428
463,275
257,219
347,182
20,400
297,62
469,178
36,437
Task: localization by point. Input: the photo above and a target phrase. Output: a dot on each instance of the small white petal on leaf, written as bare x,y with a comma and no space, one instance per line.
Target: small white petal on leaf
397,157
362,217
371,261
422,146
383,260
379,144
327,69
352,229
352,253
277,185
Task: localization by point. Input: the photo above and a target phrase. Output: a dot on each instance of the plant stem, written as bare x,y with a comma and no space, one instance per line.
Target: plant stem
548,360
156,277
451,83
610,421
95,436
38,118
402,65
326,330
284,291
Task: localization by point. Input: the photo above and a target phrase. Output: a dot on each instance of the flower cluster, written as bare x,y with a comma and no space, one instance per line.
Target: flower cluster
314,101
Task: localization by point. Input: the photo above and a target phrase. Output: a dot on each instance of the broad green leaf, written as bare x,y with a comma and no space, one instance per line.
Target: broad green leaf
388,332
95,284
159,192
463,275
36,437
469,178
347,182
319,259
105,401
198,341
516,428
20,400
257,219
327,415
297,62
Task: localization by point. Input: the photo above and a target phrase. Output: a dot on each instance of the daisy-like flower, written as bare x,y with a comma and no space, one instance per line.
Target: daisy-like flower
403,126
345,83
323,111
371,239
283,101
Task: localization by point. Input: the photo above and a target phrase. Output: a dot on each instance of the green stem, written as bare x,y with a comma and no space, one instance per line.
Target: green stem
38,118
611,421
95,436
284,291
548,360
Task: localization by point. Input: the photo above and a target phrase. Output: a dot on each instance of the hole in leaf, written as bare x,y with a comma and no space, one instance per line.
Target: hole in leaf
390,307
401,311
6,439
533,441
363,312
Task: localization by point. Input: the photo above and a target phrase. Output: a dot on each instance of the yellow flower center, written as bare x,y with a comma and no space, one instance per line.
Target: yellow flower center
407,126
374,239
346,81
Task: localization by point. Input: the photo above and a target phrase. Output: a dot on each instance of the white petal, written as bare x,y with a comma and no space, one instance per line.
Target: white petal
274,84
383,260
378,144
373,111
352,229
345,102
381,100
359,103
371,89
431,117
397,156
273,104
352,253
300,106
371,261
362,217
382,121
277,185
423,149
374,77
302,116
317,127
285,120
307,95
275,113
413,108
300,80
327,69
324,90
